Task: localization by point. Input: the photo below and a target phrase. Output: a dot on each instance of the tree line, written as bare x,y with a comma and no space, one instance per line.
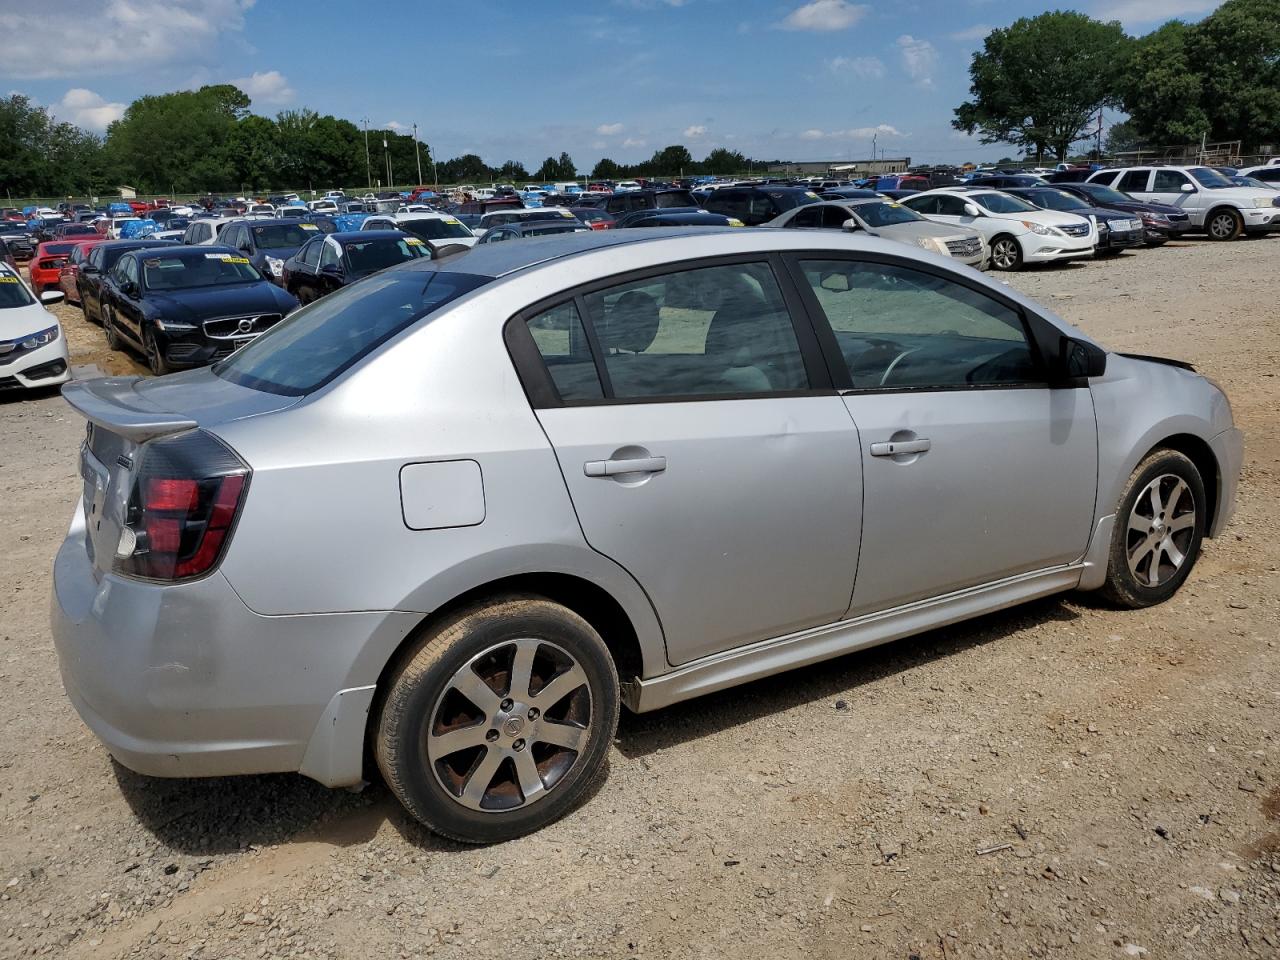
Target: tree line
1041,82
193,141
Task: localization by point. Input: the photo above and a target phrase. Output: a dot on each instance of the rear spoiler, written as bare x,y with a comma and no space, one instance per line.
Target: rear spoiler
114,404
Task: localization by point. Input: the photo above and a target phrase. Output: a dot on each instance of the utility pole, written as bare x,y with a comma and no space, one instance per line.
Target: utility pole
368,167
386,150
417,153
1098,151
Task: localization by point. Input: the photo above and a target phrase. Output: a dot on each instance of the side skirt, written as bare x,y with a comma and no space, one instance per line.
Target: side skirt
768,657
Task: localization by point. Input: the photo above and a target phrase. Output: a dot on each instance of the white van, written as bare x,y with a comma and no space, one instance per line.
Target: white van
1212,202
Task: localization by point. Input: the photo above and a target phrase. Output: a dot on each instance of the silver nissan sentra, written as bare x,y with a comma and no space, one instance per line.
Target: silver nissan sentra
446,520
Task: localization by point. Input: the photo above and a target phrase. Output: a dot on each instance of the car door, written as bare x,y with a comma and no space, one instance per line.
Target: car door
329,271
89,284
1167,186
126,301
702,447
975,469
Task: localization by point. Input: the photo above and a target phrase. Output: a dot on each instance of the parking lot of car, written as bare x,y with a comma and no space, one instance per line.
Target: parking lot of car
1058,777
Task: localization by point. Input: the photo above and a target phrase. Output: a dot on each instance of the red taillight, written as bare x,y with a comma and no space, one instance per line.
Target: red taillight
185,499
601,225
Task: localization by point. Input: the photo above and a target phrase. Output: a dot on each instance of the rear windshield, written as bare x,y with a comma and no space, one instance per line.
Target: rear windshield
314,345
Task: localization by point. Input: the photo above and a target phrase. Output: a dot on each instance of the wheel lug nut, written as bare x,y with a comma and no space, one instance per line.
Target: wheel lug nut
518,745
491,735
533,713
506,704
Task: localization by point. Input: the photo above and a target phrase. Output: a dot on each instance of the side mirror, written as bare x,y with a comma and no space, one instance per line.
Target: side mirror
1079,359
850,225
1188,188
52,296
88,268
971,210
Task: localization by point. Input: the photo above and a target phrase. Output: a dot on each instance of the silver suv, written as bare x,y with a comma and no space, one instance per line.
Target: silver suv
1212,202
446,520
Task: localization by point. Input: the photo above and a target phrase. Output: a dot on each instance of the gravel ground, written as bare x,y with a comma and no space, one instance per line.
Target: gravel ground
1121,767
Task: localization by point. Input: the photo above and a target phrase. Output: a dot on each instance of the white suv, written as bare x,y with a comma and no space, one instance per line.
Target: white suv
1212,202
1016,232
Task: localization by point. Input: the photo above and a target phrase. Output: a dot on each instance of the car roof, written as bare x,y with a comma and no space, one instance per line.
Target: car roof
353,236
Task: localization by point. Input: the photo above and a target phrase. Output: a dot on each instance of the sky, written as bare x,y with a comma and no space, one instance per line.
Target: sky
775,79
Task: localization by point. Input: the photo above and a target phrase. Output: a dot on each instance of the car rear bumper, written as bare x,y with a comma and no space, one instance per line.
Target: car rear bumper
184,680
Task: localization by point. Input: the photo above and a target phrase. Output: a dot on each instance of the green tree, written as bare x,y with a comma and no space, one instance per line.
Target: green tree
1161,91
1236,53
670,161
606,169
468,168
1121,137
549,170
512,170
1038,82
720,162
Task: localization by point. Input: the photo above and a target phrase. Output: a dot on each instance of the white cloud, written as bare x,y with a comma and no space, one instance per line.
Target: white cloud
865,68
1155,11
632,142
270,86
609,129
62,38
395,125
853,133
87,109
978,31
919,58
824,16
695,131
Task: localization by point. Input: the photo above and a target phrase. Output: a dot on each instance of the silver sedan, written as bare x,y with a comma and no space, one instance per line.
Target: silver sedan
891,220
446,520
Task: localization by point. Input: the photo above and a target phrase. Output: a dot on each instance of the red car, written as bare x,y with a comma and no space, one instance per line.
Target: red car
71,269
46,265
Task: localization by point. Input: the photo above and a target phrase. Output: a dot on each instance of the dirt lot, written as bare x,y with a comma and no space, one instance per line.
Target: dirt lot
1127,760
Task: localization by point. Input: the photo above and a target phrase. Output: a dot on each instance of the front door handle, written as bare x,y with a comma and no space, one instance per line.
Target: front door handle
894,448
612,468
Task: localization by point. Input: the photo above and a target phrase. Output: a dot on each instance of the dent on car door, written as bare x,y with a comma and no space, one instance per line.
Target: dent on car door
974,468
702,448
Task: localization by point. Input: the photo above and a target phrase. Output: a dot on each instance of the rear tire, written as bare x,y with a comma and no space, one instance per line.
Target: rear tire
1159,526
498,720
1224,224
1006,253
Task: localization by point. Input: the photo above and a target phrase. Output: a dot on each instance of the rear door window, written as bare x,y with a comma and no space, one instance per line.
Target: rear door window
1135,181
562,343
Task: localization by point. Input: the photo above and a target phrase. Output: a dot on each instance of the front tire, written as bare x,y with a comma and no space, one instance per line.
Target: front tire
1159,527
1224,225
498,720
156,362
1006,253
109,330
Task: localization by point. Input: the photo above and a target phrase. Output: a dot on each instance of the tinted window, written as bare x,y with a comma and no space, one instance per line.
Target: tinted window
924,204
560,338
885,214
718,330
369,256
310,254
278,236
447,228
901,328
1134,180
1168,181
1209,178
314,345
807,218
329,255
1003,203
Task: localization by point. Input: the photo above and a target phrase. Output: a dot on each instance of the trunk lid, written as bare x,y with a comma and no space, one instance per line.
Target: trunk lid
126,412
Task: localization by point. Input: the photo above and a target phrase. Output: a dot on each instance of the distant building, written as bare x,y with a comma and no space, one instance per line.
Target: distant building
845,168
127,193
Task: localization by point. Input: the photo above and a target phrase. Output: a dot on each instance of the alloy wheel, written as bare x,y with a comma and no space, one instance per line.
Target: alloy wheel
1223,226
1161,527
1005,254
510,724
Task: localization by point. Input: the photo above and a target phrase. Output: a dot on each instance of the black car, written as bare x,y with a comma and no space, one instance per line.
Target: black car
102,257
69,230
188,306
328,263
1117,229
676,218
44,227
1074,175
629,200
269,243
1161,221
531,228
853,193
17,237
1006,181
6,256
757,205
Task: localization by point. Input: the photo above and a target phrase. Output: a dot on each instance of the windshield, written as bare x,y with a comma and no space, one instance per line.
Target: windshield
187,271
368,256
885,214
1106,194
1211,179
1057,200
315,344
435,229
13,293
276,236
1003,203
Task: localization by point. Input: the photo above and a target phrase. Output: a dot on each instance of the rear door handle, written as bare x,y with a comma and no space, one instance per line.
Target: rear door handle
895,448
611,468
